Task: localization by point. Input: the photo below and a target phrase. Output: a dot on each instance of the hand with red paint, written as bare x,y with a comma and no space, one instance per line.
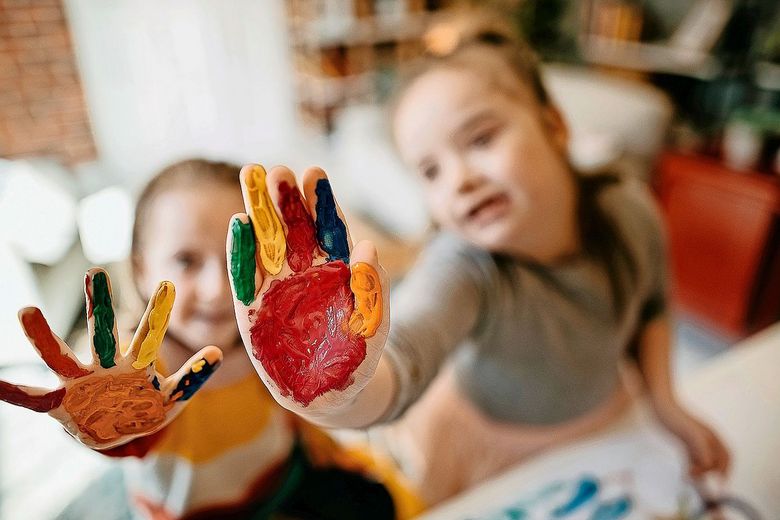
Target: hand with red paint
312,311
119,396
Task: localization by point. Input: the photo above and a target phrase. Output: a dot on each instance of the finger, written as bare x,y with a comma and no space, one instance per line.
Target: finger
301,235
366,285
332,234
101,323
36,399
268,228
242,259
54,352
151,330
191,376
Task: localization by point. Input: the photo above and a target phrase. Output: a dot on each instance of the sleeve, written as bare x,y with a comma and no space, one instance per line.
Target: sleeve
433,310
657,297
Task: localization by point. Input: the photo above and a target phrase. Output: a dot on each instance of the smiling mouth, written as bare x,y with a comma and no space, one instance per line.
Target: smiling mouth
212,317
489,209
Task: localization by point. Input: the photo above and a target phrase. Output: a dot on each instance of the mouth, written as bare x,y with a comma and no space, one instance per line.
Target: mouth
488,209
213,317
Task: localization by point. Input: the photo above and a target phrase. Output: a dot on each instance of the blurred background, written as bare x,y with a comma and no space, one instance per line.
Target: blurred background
96,97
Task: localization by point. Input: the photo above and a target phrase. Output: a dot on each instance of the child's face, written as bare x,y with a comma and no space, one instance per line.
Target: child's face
492,164
184,241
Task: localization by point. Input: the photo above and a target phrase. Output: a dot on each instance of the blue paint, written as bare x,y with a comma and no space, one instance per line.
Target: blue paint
156,383
331,232
613,510
515,513
586,491
192,381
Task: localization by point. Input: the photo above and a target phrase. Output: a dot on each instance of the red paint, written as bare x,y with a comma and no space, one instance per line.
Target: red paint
37,403
302,336
301,236
88,291
39,332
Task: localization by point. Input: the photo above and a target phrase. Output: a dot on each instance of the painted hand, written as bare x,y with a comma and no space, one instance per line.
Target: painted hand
311,309
117,397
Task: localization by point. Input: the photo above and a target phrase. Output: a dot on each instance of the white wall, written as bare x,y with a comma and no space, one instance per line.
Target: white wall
175,78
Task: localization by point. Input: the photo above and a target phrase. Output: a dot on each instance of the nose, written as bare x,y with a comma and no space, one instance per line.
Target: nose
467,178
213,282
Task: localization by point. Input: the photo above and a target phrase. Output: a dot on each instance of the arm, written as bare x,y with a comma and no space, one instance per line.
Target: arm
118,397
313,311
706,451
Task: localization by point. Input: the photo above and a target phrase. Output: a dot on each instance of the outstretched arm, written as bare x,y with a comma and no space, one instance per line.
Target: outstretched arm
117,397
314,313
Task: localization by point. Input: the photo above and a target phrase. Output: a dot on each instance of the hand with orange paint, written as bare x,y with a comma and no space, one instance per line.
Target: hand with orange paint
312,310
119,396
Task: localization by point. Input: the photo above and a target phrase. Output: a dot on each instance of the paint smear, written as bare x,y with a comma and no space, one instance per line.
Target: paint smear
367,289
39,332
242,261
587,489
107,407
191,382
103,313
331,232
302,336
157,324
268,228
37,403
301,241
613,510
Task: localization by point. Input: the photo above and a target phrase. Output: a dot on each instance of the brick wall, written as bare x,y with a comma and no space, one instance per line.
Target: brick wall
42,111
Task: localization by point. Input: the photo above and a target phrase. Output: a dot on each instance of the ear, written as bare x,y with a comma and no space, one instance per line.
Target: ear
556,126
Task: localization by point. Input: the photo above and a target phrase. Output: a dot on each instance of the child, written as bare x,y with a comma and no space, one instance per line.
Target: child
232,452
528,299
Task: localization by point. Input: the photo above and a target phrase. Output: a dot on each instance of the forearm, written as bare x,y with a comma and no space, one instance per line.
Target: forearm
370,405
654,364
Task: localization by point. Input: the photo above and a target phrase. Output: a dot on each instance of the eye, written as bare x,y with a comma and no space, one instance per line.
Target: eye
185,260
430,172
483,138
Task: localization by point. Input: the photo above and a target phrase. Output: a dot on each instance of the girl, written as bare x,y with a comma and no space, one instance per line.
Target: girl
529,298
232,452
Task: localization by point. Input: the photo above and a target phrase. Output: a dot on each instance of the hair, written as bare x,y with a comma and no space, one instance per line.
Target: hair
183,174
482,40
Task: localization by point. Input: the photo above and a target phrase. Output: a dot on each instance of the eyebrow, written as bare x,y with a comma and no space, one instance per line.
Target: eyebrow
472,121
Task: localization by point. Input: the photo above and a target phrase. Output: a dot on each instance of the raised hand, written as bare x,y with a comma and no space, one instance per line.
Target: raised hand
311,309
117,397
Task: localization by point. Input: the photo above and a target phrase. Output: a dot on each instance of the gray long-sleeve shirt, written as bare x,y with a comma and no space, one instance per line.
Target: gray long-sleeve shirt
530,343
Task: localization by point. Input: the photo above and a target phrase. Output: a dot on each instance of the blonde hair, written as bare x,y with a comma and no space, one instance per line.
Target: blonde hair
188,173
479,40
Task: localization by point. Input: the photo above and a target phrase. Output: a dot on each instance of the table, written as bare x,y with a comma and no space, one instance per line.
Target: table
738,393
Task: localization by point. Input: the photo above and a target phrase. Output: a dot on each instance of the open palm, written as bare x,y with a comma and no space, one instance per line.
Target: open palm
311,310
117,397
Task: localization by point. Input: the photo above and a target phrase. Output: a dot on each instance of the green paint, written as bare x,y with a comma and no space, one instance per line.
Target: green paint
242,261
103,312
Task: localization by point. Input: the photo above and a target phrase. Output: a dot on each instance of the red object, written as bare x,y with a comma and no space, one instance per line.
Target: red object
36,327
302,334
723,241
301,241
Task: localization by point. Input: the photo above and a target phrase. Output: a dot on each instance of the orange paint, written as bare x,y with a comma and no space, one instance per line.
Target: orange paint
107,407
367,289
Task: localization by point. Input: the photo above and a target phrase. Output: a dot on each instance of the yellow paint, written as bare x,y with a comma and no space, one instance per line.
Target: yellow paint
268,228
157,324
198,366
367,289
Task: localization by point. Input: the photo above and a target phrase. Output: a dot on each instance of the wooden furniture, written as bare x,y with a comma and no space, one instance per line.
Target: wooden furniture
348,51
724,241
